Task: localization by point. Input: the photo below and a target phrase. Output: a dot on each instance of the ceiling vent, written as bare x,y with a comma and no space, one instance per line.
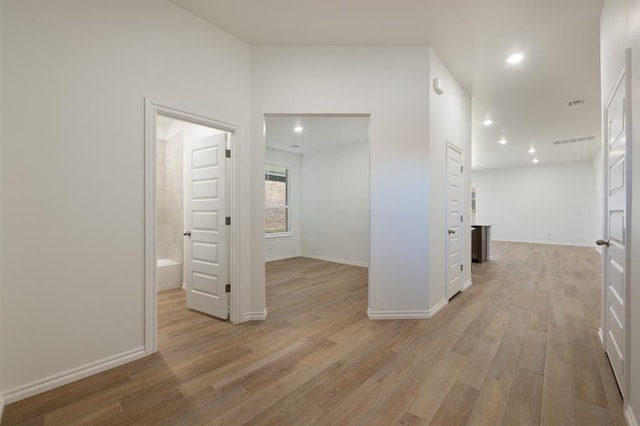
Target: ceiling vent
576,102
574,140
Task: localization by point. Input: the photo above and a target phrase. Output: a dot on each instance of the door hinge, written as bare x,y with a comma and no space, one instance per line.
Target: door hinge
461,218
461,267
227,220
227,153
461,169
227,288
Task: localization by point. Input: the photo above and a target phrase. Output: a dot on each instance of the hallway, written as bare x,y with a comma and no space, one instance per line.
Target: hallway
520,346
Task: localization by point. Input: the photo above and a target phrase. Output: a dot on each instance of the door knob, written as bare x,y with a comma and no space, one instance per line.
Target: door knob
452,231
187,233
603,243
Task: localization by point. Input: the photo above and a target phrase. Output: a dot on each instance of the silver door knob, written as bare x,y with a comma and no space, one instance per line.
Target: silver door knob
603,243
187,233
452,231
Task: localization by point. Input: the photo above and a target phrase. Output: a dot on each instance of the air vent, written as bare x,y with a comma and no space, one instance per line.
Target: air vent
576,102
574,140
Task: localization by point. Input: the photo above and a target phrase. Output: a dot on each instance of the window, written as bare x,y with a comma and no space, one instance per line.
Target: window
276,200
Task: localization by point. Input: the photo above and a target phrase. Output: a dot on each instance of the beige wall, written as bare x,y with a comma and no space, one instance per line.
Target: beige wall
169,202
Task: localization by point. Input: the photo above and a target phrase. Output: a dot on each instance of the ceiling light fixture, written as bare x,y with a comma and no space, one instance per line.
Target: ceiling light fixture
535,161
487,122
502,141
298,129
515,58
532,150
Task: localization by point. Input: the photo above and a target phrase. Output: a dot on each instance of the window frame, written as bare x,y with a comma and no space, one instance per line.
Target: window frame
288,232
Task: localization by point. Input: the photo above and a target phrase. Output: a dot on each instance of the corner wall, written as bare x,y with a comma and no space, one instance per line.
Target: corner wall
285,246
619,30
335,204
449,120
76,75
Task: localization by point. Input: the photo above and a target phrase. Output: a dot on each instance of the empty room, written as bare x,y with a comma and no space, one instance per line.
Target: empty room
328,233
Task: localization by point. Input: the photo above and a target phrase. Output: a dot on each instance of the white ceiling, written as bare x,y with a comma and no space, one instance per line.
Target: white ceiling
528,102
319,132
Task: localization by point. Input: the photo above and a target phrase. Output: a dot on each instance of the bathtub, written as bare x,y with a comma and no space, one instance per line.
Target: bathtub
168,274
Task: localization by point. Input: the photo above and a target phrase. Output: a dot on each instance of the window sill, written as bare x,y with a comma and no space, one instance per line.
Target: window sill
278,235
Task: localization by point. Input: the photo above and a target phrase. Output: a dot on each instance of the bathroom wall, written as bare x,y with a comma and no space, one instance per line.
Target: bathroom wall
169,197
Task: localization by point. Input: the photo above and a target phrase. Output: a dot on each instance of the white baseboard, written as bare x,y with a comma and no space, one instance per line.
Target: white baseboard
629,416
283,257
165,287
467,285
336,260
56,380
255,316
184,286
550,243
393,315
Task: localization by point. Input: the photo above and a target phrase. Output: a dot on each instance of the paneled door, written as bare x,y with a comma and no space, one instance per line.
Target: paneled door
454,219
206,262
617,137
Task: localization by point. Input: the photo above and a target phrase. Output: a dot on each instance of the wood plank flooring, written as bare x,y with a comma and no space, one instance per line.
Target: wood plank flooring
519,347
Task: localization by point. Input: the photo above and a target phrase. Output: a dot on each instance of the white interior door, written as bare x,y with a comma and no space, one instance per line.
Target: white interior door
206,259
454,220
617,186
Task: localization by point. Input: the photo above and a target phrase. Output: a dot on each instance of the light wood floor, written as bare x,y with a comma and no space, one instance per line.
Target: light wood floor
519,347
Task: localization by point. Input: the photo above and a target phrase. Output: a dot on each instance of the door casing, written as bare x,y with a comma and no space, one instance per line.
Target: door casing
150,295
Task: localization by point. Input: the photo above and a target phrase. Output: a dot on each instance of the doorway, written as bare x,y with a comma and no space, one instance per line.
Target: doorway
317,188
455,209
189,240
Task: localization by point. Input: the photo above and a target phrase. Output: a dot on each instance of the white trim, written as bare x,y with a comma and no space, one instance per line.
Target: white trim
184,286
71,375
601,337
150,302
393,315
283,257
276,235
629,416
255,316
549,243
336,260
165,287
466,285
1,407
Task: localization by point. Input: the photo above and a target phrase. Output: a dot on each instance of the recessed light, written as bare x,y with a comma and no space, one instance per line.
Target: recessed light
298,129
487,122
502,141
535,161
532,150
515,58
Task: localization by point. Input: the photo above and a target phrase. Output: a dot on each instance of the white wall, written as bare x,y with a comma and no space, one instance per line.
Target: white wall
548,204
335,204
75,74
620,29
449,120
285,246
392,84
1,202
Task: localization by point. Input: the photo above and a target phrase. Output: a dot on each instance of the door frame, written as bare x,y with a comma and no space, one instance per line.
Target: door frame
623,76
446,210
151,111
